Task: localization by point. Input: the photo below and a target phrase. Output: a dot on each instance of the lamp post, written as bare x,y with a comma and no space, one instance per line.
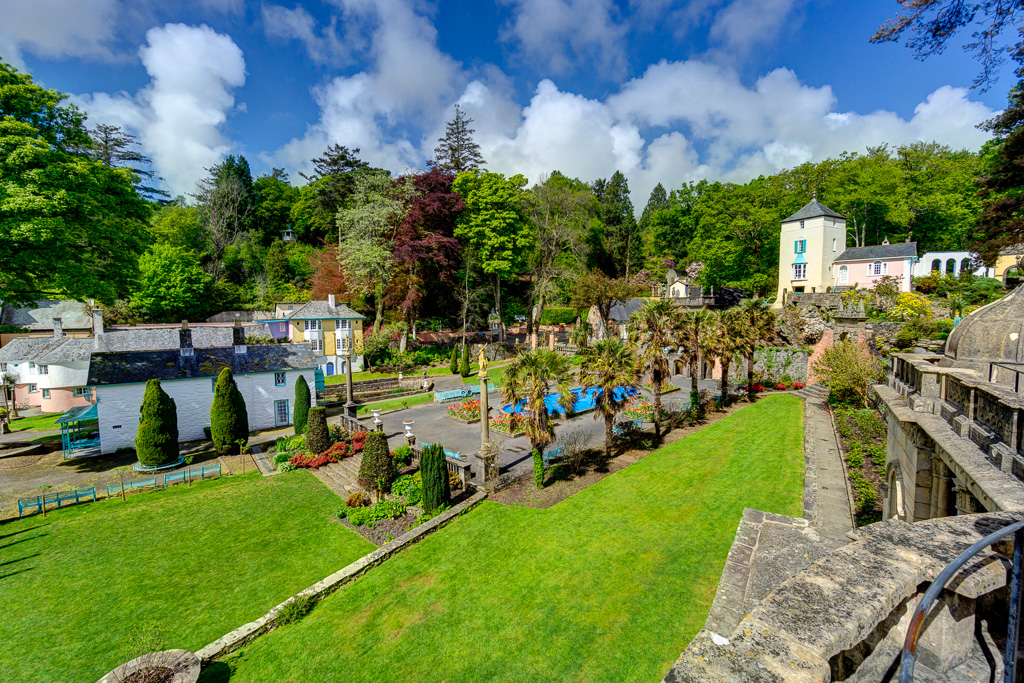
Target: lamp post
350,405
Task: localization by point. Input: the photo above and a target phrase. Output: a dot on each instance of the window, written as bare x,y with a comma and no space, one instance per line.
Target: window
279,379
46,393
316,345
799,271
877,268
312,324
3,367
341,343
844,275
44,369
81,391
801,246
801,225
32,368
833,244
32,388
281,412
343,324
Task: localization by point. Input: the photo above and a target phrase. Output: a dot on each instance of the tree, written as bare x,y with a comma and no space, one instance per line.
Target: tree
607,365
328,274
179,225
457,151
302,404
229,419
848,370
117,148
760,322
70,226
621,243
694,333
730,332
531,376
156,442
464,367
595,288
453,365
333,182
275,198
493,226
226,200
652,330
932,23
172,285
436,488
377,468
318,438
366,234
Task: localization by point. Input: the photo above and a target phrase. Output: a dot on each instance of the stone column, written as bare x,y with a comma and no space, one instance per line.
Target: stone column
940,489
350,405
484,454
533,339
551,341
966,504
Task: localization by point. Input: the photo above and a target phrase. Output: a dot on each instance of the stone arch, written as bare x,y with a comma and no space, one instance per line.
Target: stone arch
893,504
937,266
965,265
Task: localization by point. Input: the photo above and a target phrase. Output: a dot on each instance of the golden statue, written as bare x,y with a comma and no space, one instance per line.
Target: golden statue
481,360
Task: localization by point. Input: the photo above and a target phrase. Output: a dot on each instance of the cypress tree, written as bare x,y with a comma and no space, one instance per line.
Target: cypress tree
318,439
453,365
377,467
229,419
436,491
301,405
156,442
464,370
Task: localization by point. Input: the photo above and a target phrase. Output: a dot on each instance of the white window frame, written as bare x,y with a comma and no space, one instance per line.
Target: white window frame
312,325
46,394
342,324
43,369
879,268
278,405
81,391
316,345
844,275
32,388
280,379
799,271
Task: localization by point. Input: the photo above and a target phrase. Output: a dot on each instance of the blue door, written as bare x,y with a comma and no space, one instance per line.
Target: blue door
330,369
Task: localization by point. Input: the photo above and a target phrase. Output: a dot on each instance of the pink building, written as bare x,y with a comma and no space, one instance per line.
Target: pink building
864,266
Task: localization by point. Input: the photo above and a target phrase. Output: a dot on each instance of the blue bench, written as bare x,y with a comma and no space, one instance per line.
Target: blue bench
165,480
82,495
454,455
624,428
553,455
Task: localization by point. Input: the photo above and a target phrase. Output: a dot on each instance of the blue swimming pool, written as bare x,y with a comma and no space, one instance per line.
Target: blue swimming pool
583,399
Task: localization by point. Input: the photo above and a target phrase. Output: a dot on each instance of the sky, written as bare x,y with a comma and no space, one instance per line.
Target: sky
663,91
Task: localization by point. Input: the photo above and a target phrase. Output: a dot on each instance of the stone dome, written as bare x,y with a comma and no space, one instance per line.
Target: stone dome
991,334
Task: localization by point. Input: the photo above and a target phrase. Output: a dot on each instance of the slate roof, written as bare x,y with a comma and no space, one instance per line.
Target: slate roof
74,315
71,350
812,209
879,252
141,366
621,310
321,310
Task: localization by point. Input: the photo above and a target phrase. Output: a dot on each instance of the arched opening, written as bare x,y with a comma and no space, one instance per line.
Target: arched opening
937,266
965,266
330,368
844,275
893,505
876,268
951,266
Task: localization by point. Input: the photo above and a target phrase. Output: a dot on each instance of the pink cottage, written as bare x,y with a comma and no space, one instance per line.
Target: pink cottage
864,266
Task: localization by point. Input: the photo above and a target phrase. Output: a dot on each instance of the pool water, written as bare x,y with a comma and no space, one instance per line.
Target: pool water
583,399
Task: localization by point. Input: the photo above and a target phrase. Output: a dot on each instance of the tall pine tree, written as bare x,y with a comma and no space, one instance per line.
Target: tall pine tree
457,151
117,148
619,250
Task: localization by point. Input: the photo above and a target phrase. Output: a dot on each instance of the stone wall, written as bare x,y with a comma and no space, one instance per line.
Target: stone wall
775,362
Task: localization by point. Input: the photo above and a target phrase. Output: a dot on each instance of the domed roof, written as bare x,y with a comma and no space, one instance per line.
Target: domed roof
991,334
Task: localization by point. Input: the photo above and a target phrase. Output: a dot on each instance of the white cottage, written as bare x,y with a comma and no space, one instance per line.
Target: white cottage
265,375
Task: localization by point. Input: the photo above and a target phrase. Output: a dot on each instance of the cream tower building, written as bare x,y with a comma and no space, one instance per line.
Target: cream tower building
810,241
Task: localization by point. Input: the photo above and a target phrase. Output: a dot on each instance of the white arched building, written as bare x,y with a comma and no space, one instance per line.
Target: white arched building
951,263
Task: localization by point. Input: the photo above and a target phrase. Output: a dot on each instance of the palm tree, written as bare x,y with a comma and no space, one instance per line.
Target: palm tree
530,376
8,382
731,335
694,334
760,319
653,328
608,364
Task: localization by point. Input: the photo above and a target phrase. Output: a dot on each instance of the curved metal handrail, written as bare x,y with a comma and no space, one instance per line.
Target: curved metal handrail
909,658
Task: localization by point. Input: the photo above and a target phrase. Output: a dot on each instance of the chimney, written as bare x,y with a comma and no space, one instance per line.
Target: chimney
185,340
58,328
238,337
97,322
331,301
885,242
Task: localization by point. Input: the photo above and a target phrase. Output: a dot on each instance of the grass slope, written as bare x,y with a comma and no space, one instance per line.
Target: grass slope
609,585
193,562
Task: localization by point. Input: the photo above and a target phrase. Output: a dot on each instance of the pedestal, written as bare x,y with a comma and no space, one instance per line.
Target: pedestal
485,423
350,409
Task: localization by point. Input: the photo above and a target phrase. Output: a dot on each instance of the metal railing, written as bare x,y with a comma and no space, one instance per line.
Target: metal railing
909,658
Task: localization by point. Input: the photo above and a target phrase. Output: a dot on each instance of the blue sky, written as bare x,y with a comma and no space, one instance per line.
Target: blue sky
664,91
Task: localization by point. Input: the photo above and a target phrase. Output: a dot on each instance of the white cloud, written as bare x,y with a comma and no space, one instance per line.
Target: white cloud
562,34
56,28
746,23
322,44
179,115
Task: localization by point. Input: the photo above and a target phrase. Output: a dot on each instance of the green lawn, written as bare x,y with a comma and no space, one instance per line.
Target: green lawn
193,562
609,585
495,375
41,423
395,403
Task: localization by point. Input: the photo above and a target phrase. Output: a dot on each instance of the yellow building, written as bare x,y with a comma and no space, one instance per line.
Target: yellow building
1009,262
329,327
810,241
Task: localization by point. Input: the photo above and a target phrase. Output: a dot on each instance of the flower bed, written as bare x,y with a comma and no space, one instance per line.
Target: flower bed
346,446
467,412
667,387
512,424
780,386
642,409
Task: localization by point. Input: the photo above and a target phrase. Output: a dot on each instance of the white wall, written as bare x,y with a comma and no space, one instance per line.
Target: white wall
59,376
118,405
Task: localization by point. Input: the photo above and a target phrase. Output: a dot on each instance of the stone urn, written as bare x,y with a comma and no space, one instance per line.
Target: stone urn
184,665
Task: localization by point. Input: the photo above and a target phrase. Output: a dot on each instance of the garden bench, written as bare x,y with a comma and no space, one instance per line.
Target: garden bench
128,485
624,428
58,497
454,455
554,454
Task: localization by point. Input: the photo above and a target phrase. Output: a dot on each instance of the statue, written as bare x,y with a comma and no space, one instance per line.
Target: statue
481,360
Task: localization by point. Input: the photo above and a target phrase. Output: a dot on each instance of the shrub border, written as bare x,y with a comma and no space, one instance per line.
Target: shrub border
245,634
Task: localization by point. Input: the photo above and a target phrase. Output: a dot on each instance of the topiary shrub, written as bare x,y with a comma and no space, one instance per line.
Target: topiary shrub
377,469
229,419
464,368
453,364
318,439
156,442
436,492
301,405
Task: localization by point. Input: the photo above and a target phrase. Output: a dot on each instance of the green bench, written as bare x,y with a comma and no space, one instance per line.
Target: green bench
72,496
